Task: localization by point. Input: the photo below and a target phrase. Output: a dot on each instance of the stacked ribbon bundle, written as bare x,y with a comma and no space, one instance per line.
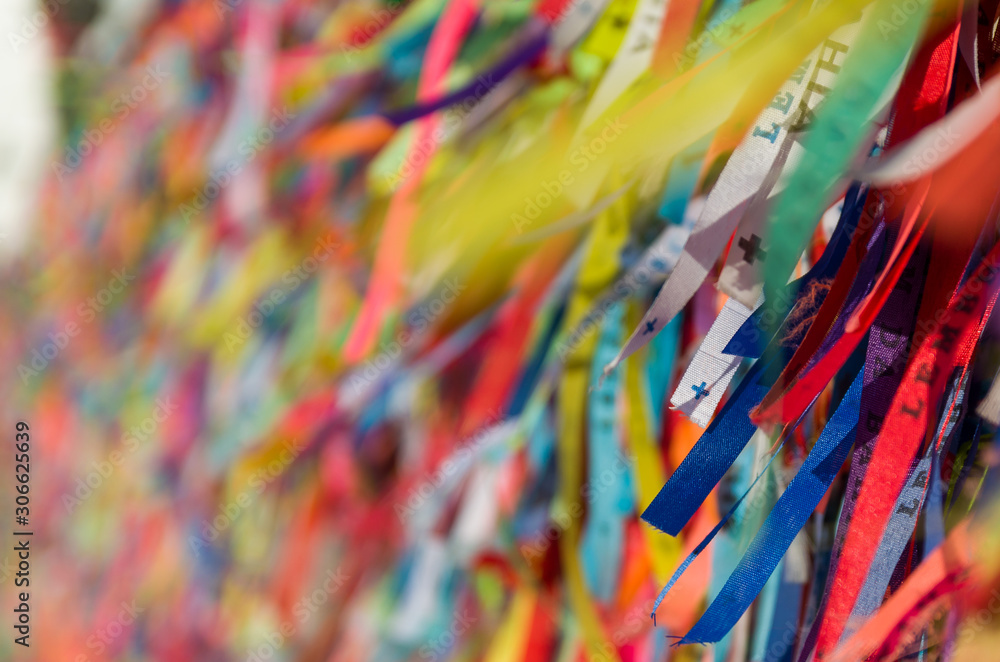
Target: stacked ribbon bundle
567,330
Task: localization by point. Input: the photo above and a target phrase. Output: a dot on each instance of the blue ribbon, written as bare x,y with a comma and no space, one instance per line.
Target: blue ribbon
712,455
788,516
711,535
602,540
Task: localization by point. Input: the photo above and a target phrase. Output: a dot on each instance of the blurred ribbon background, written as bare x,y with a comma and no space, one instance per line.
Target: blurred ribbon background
632,330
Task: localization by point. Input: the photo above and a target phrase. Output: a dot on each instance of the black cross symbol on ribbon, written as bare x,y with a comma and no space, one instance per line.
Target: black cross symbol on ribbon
751,249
